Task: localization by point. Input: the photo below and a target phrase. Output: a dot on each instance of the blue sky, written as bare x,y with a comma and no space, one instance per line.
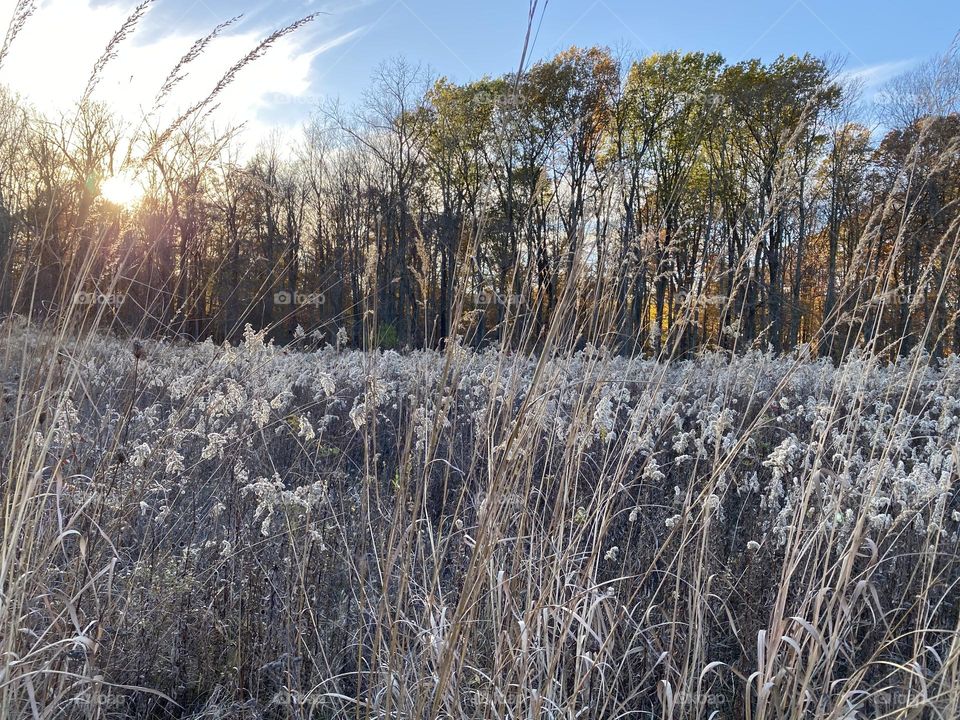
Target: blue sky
463,38
335,56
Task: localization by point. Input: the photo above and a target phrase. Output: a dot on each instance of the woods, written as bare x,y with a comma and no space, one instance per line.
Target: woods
676,202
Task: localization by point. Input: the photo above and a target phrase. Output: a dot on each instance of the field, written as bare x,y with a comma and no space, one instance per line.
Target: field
248,531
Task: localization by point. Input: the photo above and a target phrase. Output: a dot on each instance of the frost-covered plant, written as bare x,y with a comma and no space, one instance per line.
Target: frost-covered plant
363,519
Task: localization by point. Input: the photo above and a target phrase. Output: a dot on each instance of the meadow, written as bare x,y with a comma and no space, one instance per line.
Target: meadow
207,530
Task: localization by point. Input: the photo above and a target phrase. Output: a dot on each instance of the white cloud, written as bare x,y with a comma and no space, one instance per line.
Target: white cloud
873,76
51,60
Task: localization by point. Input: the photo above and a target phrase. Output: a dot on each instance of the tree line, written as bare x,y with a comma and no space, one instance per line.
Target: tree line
657,205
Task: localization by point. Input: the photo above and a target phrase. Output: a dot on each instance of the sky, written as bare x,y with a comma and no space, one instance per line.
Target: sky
335,55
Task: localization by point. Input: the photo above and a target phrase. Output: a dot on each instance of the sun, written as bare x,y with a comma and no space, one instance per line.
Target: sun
122,189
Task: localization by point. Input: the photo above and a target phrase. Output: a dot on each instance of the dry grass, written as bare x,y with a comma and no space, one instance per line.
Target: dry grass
195,529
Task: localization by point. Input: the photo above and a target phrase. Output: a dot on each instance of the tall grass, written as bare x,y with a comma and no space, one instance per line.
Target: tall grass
213,532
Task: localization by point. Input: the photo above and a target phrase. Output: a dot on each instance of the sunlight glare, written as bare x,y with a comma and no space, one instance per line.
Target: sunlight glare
122,189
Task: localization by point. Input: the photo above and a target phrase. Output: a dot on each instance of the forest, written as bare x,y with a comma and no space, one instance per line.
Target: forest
670,203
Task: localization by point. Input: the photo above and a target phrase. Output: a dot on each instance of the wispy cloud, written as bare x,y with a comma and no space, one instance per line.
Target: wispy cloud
50,62
337,41
872,76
